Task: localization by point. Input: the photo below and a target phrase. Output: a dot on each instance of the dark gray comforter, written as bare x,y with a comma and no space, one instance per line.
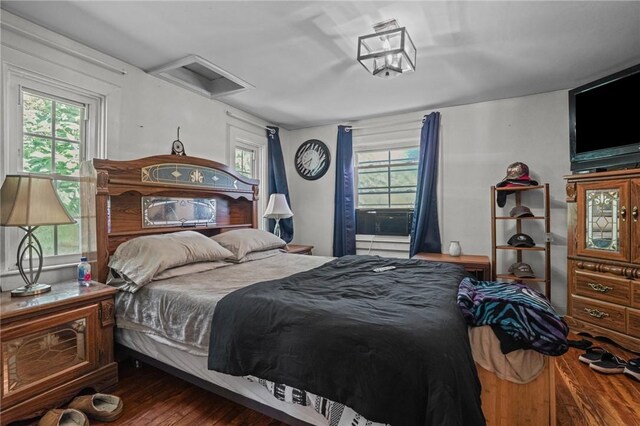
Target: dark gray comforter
391,345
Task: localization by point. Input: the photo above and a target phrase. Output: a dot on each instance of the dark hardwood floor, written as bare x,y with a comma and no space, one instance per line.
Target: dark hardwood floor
584,398
153,397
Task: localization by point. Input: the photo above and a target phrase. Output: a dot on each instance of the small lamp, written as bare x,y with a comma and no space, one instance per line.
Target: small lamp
29,202
277,209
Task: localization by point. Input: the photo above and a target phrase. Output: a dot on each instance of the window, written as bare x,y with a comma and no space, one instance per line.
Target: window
53,143
245,161
53,119
386,178
248,155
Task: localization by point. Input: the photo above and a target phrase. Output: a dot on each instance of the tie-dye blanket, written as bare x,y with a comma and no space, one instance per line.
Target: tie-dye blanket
521,312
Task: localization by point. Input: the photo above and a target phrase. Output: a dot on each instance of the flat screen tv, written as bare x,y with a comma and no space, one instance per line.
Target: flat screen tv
604,120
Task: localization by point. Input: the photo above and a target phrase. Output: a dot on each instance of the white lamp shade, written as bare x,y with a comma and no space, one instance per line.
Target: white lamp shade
31,201
278,207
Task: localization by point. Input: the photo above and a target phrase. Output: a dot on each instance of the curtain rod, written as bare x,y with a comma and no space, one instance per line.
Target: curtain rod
248,121
373,126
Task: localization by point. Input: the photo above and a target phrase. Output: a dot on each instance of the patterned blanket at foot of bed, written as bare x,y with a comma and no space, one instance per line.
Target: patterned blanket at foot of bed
336,414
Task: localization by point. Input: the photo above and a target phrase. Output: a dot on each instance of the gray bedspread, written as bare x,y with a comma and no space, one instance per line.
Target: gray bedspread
183,318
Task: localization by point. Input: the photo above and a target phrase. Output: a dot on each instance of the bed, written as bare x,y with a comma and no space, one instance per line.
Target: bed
130,199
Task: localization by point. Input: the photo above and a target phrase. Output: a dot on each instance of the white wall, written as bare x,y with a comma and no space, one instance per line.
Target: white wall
312,202
141,112
477,143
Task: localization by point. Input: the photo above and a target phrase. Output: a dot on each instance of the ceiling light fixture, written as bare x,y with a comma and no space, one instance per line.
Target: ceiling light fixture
389,51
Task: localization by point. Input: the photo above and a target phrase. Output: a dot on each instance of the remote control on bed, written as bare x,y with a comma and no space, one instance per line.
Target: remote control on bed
384,268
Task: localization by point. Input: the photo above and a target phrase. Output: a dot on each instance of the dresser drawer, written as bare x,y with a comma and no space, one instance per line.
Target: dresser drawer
54,345
51,349
603,287
633,327
599,313
635,294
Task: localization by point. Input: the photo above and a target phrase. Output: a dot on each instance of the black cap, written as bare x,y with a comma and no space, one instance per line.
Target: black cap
521,240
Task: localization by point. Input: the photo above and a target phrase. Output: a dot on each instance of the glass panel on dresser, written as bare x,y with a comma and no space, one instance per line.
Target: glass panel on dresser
602,231
34,357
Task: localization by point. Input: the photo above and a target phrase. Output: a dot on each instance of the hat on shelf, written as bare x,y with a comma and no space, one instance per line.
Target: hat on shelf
521,211
521,240
522,270
517,176
517,170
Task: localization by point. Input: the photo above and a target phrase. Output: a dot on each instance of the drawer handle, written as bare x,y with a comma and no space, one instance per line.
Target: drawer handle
596,313
600,288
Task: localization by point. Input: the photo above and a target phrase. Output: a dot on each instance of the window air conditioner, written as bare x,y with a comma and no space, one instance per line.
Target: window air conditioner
384,221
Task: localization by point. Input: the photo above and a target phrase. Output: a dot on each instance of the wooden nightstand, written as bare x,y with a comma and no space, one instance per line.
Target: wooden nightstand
478,266
53,345
299,249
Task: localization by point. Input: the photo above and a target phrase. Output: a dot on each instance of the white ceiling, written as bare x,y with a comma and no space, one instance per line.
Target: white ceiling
300,55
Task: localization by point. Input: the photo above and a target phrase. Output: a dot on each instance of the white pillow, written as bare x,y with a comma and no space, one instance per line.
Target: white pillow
139,260
243,241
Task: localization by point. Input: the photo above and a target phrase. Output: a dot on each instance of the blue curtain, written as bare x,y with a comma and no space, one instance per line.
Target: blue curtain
425,233
344,218
278,181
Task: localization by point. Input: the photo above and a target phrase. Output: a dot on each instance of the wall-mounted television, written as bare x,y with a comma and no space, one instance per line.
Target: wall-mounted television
604,120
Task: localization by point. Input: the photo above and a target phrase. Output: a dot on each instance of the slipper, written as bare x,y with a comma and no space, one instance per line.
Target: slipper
580,344
592,354
64,417
609,364
99,406
633,368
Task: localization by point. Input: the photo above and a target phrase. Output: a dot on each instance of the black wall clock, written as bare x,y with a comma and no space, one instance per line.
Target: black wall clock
312,159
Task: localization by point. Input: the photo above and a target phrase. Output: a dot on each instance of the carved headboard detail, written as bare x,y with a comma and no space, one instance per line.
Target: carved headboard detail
229,199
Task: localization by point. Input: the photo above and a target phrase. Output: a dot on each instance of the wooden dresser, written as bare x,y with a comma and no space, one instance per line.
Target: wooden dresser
54,345
603,250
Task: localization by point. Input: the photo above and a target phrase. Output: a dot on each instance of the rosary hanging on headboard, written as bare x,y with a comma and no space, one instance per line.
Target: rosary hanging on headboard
177,147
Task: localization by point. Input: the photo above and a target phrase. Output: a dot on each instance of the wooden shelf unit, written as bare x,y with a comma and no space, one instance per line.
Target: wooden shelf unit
536,248
546,247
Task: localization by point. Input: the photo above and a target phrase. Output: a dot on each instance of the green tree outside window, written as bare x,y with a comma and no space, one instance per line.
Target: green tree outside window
53,144
387,178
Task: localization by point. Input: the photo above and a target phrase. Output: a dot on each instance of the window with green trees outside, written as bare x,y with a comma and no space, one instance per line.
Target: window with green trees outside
245,162
386,178
53,143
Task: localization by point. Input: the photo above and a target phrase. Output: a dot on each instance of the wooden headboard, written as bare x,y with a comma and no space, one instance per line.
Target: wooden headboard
121,186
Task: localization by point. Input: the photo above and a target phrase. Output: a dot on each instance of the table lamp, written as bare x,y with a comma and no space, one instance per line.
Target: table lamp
28,202
277,209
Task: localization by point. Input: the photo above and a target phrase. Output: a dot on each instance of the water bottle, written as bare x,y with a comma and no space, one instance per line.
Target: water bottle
84,272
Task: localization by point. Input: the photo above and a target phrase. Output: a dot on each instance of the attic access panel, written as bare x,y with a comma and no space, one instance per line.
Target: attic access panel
201,76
